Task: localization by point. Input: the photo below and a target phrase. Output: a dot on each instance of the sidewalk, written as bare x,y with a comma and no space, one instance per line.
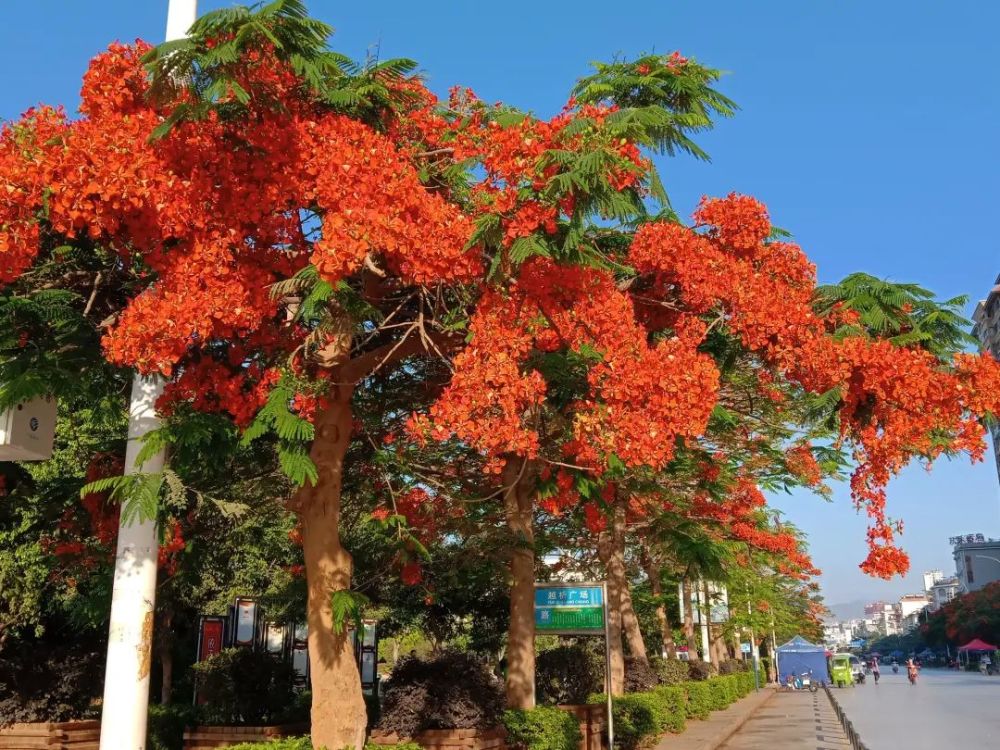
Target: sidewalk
791,721
720,726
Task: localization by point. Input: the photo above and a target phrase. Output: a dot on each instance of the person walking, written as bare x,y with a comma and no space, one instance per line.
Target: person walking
875,669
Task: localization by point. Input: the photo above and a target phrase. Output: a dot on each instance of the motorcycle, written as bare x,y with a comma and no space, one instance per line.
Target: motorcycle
801,682
805,682
895,669
912,675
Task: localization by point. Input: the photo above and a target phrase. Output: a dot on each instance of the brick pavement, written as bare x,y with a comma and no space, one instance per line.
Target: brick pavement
791,721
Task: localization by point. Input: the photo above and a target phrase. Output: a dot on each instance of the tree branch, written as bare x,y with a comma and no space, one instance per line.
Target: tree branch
371,362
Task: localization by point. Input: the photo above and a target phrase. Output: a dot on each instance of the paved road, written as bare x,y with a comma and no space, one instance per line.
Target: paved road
945,709
791,721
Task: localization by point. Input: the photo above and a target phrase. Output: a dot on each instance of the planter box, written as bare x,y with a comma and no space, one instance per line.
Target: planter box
200,738
592,718
448,739
64,735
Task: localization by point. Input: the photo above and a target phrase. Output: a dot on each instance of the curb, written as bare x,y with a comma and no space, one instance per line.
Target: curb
848,726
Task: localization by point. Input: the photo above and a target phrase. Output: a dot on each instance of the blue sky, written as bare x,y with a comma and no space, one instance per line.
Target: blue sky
869,129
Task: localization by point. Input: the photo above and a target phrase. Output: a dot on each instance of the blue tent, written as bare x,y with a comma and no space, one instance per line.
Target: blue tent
798,656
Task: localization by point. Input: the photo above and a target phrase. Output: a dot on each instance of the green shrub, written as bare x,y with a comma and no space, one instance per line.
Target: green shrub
673,700
699,699
764,668
720,693
291,743
542,728
637,716
568,674
166,724
671,671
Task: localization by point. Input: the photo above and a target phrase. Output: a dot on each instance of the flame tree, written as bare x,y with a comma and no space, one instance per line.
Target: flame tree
268,225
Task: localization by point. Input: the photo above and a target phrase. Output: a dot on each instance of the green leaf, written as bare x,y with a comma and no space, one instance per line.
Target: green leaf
347,609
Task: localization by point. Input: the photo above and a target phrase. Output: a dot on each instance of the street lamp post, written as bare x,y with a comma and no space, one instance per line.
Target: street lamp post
754,654
125,709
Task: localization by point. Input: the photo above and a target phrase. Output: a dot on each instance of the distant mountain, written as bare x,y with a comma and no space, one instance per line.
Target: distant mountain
848,610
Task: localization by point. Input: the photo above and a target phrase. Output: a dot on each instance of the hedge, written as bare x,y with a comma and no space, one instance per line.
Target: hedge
721,692
542,728
638,718
674,700
294,743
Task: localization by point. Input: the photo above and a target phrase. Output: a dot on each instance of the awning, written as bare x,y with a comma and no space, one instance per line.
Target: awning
977,644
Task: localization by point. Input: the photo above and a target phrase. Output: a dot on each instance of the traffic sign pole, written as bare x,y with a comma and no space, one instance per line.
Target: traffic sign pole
607,667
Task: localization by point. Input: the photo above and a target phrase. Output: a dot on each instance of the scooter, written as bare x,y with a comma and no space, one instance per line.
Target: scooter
805,682
895,669
912,674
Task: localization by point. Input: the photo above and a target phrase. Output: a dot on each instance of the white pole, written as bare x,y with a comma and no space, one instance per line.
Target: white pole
125,708
704,612
181,15
130,637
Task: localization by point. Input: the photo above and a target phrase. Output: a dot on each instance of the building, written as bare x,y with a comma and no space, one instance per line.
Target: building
911,603
943,592
884,618
930,578
986,328
911,610
977,561
837,635
874,608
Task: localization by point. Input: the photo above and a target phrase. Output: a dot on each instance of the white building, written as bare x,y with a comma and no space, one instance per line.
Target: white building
977,561
987,329
912,603
930,578
943,592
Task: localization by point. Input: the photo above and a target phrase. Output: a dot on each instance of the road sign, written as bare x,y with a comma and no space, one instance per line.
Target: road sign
569,609
745,648
577,609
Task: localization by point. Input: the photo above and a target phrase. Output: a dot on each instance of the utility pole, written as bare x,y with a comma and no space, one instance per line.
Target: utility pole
125,708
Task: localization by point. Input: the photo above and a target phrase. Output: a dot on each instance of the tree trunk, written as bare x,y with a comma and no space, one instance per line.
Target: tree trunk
610,549
667,646
519,496
630,623
339,717
165,654
689,636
